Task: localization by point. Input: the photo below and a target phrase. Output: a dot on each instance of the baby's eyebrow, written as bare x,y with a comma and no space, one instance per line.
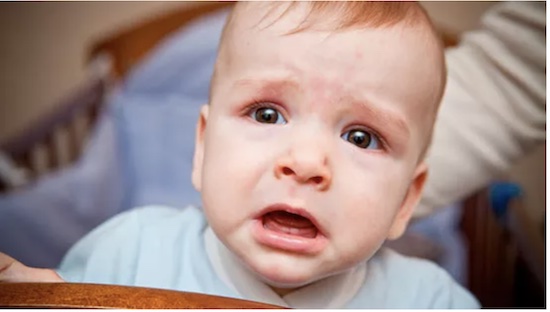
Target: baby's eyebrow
286,82
391,123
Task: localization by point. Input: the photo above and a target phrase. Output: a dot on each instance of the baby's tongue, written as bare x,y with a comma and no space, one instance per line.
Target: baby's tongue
289,223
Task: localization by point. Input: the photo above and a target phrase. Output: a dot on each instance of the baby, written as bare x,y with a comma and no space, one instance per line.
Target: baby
308,157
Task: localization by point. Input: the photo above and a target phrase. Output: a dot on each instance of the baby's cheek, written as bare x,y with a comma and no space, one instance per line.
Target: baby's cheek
363,219
352,251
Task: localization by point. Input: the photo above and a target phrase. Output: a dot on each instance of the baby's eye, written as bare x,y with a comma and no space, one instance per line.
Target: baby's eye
267,115
361,138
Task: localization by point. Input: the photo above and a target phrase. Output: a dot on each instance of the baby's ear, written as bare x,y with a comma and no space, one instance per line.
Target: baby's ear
409,203
198,157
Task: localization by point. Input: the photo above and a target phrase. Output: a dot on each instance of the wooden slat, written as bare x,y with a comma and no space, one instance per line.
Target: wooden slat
39,150
88,96
52,161
530,239
498,250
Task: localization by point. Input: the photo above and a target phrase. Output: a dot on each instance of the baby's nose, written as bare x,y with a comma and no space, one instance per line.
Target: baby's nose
306,167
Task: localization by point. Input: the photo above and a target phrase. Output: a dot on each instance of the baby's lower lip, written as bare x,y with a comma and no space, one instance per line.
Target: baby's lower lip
299,243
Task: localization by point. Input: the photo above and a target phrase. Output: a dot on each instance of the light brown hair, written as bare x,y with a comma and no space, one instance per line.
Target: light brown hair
341,15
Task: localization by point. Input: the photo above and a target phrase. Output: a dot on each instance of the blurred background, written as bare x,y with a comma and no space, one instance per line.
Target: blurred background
46,48
46,45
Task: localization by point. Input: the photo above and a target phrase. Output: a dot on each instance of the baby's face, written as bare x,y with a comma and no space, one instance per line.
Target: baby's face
307,156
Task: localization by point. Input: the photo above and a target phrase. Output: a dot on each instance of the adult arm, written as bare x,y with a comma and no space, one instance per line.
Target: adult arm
494,107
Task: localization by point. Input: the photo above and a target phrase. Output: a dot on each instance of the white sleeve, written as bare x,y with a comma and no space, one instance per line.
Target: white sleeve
494,107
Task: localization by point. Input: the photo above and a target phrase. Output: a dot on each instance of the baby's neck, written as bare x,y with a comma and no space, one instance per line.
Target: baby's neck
283,291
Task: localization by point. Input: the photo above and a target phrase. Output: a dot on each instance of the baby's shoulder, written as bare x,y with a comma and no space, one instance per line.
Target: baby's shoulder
394,263
408,282
124,247
148,225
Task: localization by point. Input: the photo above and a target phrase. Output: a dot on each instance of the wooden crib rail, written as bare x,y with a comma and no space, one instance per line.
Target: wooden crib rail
95,296
128,47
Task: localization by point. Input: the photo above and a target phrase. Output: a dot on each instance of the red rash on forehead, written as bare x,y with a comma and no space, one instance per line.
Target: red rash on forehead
325,92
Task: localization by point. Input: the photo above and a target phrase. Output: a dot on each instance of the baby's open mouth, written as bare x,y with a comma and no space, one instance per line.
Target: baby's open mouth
289,223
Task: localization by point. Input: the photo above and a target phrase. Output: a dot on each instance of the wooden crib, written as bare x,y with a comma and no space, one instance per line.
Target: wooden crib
56,139
506,261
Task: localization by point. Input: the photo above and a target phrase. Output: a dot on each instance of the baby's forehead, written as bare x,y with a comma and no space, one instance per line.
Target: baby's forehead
275,28
404,26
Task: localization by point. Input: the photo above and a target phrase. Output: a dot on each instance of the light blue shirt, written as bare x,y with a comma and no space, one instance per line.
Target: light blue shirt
163,247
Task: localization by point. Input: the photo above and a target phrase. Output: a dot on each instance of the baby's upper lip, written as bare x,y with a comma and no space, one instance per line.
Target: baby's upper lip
291,209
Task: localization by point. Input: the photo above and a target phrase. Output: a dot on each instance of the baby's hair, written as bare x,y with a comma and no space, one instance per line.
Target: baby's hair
354,14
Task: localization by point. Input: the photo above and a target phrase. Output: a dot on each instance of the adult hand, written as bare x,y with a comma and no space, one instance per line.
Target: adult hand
12,270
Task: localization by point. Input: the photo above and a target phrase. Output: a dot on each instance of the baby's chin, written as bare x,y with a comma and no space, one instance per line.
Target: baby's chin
287,277
283,284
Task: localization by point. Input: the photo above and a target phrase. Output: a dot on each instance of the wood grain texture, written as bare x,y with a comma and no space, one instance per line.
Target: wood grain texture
95,296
